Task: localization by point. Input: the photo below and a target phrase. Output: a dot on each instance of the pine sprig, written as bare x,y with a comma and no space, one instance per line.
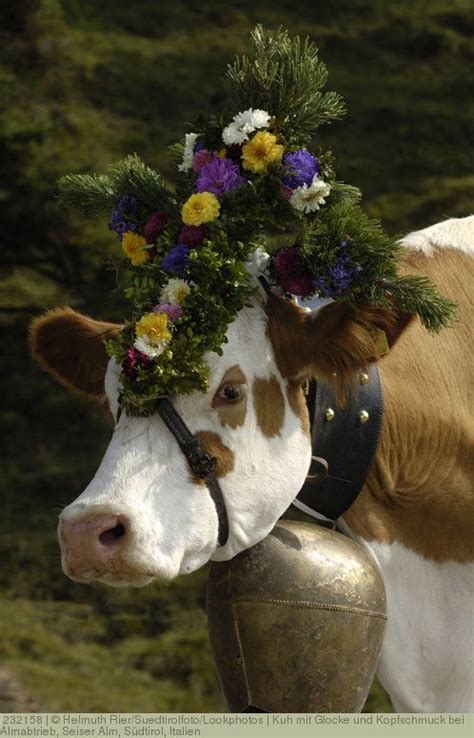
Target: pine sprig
419,296
132,176
344,194
286,76
90,194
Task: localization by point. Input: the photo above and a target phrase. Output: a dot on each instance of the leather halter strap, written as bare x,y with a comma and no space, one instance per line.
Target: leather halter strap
202,464
344,442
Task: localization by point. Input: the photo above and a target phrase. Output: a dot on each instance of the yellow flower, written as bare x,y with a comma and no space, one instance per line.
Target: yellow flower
223,153
200,208
133,245
261,151
154,327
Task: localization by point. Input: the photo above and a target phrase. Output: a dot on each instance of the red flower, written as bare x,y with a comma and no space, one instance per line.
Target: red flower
154,226
134,359
192,236
290,271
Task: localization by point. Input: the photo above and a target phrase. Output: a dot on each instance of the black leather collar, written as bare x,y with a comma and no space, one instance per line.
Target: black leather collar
344,442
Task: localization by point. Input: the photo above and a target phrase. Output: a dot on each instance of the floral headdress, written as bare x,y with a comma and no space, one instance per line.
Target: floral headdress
245,182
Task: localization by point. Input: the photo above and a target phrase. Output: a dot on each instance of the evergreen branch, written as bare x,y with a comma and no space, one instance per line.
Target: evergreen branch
418,295
175,154
285,77
130,176
344,194
90,194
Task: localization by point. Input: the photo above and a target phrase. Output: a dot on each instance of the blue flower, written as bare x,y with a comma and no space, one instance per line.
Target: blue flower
176,260
300,168
124,217
340,275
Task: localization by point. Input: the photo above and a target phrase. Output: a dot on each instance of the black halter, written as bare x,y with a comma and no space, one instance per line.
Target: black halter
202,464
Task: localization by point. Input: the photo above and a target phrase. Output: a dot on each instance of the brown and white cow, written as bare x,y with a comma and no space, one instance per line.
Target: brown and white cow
145,517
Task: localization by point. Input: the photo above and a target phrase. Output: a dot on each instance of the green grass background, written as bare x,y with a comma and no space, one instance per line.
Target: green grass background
82,83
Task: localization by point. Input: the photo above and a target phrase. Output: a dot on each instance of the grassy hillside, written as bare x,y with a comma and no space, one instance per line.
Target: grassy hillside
83,83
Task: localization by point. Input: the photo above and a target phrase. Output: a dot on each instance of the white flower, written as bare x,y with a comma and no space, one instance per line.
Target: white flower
176,290
307,199
257,265
243,124
143,344
189,144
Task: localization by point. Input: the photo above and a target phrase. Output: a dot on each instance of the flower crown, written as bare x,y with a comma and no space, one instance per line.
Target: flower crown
245,182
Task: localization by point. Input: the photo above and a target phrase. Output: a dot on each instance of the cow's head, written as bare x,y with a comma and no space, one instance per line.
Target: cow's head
144,516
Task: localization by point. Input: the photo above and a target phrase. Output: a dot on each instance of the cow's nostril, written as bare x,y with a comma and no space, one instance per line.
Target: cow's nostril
112,535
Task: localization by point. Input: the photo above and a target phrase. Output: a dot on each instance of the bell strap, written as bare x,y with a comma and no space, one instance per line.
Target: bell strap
344,443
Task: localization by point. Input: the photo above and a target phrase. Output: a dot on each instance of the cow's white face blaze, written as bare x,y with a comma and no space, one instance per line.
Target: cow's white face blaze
144,515
263,451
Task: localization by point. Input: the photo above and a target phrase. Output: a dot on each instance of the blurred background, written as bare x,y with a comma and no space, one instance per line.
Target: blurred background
83,83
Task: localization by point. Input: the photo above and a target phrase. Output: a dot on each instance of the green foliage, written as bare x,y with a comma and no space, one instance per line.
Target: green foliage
91,194
132,176
284,76
65,658
376,255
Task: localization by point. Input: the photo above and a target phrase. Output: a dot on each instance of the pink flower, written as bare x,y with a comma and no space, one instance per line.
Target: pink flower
201,158
170,309
154,226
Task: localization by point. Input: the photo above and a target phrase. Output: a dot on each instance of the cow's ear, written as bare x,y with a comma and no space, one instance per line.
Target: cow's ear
332,343
70,346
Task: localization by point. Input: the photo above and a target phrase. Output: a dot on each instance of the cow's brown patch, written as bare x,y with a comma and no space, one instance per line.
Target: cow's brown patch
70,346
233,414
297,401
212,444
419,492
269,405
332,345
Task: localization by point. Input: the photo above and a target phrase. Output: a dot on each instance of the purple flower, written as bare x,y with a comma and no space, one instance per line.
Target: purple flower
134,359
300,168
219,176
291,273
123,218
176,260
154,226
170,309
192,236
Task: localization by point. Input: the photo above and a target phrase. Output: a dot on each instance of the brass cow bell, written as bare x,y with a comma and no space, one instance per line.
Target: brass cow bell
296,622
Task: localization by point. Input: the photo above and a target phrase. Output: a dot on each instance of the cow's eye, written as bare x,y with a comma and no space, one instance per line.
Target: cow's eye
230,393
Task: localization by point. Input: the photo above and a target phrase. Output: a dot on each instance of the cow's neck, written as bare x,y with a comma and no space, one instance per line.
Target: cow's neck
409,519
419,490
415,512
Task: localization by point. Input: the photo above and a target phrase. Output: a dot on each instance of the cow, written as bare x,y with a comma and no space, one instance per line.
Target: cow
146,516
